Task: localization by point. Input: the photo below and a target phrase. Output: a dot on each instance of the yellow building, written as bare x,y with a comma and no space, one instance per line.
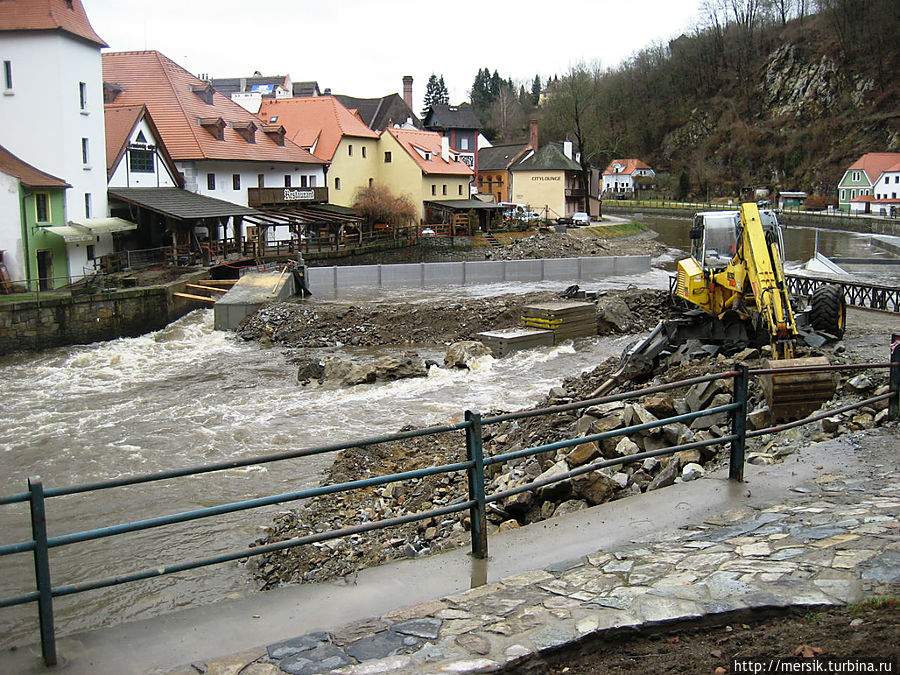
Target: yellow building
549,182
421,166
333,133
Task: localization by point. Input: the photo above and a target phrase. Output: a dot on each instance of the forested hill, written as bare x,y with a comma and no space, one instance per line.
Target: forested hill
755,97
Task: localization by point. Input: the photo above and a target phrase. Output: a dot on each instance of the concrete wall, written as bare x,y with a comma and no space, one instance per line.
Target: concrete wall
324,281
81,319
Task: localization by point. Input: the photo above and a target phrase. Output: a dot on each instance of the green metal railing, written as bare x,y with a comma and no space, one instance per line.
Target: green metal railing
474,465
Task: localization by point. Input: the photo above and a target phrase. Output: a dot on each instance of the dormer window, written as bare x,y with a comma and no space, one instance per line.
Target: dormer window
215,126
204,92
275,132
246,130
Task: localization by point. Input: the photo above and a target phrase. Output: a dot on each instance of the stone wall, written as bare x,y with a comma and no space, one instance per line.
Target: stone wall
81,319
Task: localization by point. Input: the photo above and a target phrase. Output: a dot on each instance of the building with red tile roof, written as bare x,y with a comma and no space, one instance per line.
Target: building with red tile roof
874,174
325,127
220,148
51,109
421,165
622,175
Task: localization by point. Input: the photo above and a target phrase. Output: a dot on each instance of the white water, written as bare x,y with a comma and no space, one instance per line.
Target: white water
189,395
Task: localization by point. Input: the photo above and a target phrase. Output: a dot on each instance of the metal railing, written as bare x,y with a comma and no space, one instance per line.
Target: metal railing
475,501
865,296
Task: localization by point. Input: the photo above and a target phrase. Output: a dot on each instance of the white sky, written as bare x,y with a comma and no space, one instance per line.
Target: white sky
365,48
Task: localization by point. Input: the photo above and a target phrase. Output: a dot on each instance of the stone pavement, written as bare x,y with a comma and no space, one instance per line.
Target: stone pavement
831,540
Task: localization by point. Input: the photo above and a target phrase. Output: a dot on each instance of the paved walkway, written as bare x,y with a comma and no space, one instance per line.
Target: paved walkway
831,537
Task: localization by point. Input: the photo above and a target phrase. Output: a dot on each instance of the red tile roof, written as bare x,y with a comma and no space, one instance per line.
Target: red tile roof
177,102
876,163
429,142
630,166
321,118
69,17
28,175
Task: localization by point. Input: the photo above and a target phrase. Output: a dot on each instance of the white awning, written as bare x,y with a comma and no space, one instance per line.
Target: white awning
97,226
71,235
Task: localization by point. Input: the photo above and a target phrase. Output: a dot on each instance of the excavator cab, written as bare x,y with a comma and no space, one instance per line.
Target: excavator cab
714,238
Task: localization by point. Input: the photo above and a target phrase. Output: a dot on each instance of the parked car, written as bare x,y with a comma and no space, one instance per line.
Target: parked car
581,218
427,232
565,220
532,216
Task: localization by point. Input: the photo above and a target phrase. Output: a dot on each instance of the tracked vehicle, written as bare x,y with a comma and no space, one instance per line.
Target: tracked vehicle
735,282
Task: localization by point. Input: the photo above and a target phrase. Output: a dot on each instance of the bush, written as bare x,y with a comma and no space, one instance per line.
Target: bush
377,204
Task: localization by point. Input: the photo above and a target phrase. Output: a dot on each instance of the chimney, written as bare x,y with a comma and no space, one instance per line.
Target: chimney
533,135
407,90
567,149
445,148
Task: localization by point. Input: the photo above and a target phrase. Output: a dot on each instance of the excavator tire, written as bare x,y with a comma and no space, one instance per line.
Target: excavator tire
828,310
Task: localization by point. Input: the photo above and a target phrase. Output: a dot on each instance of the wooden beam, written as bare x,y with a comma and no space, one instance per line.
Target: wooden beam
198,298
211,289
219,282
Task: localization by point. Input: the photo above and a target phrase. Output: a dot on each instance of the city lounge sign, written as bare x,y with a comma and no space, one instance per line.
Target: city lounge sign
298,195
546,178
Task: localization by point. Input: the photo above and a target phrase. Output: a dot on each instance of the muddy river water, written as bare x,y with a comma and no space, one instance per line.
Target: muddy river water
189,395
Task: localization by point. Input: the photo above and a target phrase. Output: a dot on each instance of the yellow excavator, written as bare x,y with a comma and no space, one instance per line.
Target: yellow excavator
735,280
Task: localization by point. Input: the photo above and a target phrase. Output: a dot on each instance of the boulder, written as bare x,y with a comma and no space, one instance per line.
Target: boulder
582,454
667,476
613,311
717,419
400,367
692,471
462,354
595,487
660,405
686,457
346,372
309,370
555,491
519,503
626,447
570,506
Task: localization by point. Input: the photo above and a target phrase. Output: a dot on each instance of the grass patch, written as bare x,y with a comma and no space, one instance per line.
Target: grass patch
617,230
881,602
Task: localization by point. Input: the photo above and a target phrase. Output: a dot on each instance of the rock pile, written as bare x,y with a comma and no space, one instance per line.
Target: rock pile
343,557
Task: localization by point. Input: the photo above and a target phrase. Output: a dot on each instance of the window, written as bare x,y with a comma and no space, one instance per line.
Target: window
87,204
7,76
337,183
387,158
364,151
140,161
85,152
887,179
82,95
260,180
444,189
304,181
89,250
371,182
434,189
312,181
287,180
460,189
42,207
235,181
843,195
855,176
897,179
350,150
210,181
463,143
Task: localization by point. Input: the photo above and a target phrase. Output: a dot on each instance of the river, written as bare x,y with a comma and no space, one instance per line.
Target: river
188,395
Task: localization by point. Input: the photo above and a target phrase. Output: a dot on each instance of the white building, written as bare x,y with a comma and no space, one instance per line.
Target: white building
51,105
622,175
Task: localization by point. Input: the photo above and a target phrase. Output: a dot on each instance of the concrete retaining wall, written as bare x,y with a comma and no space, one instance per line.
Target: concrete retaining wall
81,319
330,280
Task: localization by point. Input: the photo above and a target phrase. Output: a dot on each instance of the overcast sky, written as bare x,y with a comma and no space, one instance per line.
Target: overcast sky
365,48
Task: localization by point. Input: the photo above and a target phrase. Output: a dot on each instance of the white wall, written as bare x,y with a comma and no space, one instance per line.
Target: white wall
43,123
11,226
195,173
123,176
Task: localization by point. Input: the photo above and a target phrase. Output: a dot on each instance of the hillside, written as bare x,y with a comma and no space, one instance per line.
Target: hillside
767,103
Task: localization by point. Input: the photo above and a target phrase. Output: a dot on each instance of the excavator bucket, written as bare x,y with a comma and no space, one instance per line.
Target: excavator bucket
792,396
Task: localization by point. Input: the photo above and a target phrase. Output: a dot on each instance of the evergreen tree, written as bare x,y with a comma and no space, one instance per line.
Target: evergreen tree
536,90
435,93
480,95
496,83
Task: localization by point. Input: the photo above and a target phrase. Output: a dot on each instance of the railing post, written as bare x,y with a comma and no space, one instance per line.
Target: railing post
42,570
895,377
477,512
739,425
